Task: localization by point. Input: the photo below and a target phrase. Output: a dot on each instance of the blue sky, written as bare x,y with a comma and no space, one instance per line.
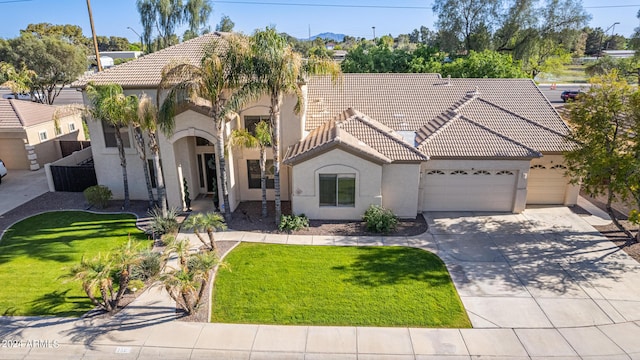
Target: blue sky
112,17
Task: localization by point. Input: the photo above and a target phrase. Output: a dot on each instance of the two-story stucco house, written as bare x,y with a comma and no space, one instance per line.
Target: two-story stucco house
409,142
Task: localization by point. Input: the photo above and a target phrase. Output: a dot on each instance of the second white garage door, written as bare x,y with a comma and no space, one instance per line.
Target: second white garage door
469,190
547,184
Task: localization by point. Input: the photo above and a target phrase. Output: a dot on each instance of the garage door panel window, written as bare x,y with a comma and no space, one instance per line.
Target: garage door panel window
337,190
504,172
481,172
459,172
559,167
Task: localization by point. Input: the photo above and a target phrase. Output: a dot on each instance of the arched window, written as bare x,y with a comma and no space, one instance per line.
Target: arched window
435,172
459,172
482,172
504,172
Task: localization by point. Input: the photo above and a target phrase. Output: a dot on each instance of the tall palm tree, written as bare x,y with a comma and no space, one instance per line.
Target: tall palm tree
221,80
261,140
148,121
280,70
109,104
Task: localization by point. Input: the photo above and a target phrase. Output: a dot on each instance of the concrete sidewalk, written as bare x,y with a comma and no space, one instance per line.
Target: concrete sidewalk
537,285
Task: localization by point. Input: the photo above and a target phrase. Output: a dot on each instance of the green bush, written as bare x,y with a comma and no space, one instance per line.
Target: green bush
161,225
379,219
148,267
98,196
291,223
135,285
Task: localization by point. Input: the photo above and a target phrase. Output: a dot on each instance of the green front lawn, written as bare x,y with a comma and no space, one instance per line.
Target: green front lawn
37,252
327,285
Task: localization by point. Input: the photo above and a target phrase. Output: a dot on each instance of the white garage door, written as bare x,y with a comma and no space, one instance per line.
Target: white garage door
469,190
546,184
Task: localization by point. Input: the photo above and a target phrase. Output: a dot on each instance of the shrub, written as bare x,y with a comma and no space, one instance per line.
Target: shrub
379,219
148,267
291,223
98,196
135,285
161,225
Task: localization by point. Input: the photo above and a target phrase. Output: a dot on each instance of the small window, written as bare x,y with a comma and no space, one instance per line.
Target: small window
538,166
250,122
559,167
435,172
459,172
482,172
203,142
504,172
337,190
110,135
253,170
72,127
42,135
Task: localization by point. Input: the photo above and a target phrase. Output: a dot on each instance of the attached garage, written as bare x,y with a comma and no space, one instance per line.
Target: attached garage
547,183
469,190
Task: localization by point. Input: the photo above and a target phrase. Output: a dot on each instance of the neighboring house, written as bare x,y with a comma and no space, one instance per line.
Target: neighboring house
29,137
409,142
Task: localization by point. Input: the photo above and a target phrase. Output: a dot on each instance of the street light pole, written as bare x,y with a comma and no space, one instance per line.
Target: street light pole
601,36
613,30
135,32
374,33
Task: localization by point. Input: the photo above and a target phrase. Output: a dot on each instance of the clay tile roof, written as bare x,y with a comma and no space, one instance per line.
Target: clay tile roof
413,101
146,72
355,132
18,114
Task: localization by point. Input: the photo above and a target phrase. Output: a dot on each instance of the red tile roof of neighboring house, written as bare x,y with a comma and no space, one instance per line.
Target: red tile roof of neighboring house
18,114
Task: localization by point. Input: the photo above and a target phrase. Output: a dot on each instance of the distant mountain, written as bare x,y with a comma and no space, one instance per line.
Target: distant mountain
329,35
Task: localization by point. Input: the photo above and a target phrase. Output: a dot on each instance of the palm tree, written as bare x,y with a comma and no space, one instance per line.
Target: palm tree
125,258
280,70
209,222
109,104
95,275
142,152
221,80
187,284
148,121
261,140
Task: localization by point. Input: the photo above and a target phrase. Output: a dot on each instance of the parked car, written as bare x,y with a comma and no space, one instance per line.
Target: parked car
570,95
23,96
3,171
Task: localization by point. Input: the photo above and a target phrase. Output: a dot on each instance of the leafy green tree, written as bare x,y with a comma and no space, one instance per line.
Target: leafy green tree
279,70
17,81
486,64
600,159
261,140
167,15
56,62
110,105
221,79
464,18
225,24
626,68
594,41
71,33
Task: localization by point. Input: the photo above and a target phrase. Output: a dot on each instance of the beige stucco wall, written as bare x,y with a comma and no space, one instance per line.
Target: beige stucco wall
400,184
305,187
521,167
572,191
12,151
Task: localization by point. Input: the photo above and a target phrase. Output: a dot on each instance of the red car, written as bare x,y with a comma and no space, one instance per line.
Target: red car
570,95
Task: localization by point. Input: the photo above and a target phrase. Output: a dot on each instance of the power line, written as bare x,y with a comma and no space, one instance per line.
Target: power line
13,1
368,6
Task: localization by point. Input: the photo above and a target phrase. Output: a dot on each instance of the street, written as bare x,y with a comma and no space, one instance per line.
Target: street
554,95
67,96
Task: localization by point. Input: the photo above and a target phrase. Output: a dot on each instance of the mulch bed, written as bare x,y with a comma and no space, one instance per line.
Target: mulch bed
247,217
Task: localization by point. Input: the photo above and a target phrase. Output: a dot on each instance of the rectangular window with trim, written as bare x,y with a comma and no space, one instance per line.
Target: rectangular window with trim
42,135
250,122
337,190
253,171
109,132
72,127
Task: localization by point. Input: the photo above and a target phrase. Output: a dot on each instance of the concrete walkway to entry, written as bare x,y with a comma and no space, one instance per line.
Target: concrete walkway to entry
537,285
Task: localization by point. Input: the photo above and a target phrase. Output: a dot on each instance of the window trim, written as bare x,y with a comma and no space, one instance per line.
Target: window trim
42,135
269,175
71,126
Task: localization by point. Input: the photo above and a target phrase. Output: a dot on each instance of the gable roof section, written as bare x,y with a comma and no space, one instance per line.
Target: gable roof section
18,114
355,132
146,72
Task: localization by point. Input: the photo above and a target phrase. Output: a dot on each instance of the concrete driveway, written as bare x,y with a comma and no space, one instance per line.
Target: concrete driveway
20,186
544,268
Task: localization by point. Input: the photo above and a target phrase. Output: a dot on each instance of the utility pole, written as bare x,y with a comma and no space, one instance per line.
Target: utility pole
374,33
95,39
601,36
